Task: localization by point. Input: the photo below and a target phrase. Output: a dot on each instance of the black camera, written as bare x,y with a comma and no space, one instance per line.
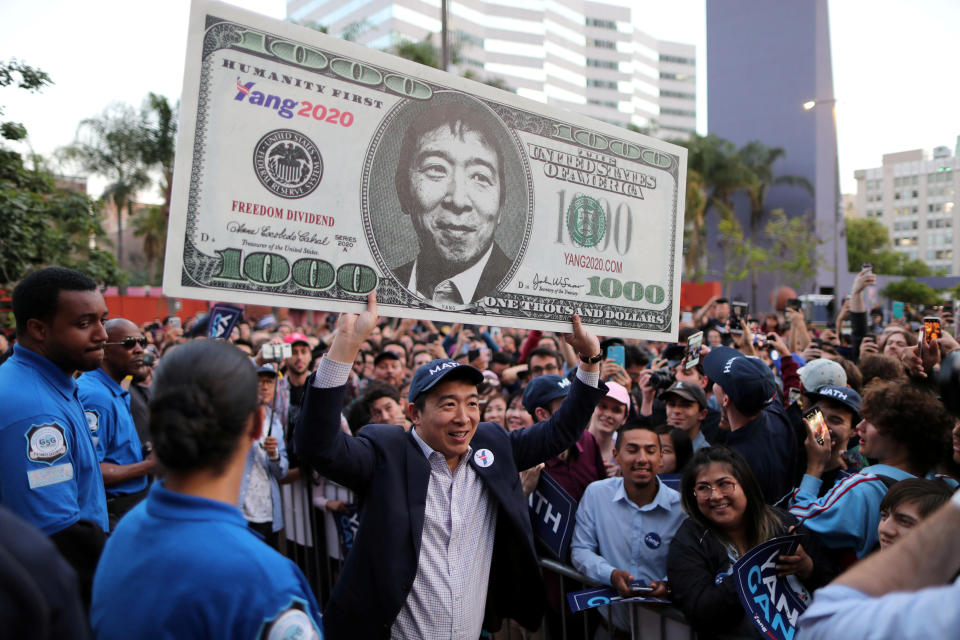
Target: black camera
662,379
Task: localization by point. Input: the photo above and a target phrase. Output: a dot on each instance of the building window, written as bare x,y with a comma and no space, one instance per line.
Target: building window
679,77
602,24
602,84
603,44
677,94
603,103
677,112
677,59
602,64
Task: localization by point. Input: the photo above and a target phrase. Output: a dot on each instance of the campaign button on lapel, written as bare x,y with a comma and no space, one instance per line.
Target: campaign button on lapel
483,458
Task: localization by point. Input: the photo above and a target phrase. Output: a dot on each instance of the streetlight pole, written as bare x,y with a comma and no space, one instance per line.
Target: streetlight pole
444,37
837,205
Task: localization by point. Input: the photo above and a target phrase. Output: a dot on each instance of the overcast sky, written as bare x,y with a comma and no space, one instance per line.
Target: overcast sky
894,64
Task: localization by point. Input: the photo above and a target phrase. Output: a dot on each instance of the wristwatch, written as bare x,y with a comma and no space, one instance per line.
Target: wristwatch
591,359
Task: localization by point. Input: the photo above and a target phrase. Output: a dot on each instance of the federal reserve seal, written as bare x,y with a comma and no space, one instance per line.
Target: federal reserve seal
288,163
586,221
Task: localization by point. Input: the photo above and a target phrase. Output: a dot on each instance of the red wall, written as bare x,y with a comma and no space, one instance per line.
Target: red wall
143,309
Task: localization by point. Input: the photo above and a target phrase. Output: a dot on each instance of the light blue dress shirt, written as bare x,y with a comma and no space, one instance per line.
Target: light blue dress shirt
612,532
841,611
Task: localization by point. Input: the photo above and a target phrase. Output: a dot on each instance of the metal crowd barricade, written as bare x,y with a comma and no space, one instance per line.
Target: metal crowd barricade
646,622
314,559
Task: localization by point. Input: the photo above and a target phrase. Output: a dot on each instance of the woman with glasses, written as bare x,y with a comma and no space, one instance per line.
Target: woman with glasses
184,563
726,518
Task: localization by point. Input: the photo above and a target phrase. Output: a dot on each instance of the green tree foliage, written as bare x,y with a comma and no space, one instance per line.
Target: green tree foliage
151,225
912,292
111,145
742,256
792,255
40,224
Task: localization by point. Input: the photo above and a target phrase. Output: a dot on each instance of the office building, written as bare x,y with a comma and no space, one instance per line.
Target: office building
766,59
581,55
913,194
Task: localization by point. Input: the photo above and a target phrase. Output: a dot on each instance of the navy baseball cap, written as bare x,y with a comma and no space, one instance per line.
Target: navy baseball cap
841,395
433,372
748,381
543,390
267,369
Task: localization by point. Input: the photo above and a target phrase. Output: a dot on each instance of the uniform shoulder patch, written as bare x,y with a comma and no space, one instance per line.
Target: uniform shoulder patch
292,623
93,420
46,443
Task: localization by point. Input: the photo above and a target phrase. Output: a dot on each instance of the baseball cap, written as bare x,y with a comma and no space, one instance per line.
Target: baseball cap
433,372
842,395
267,370
543,390
821,372
619,393
688,391
297,338
748,381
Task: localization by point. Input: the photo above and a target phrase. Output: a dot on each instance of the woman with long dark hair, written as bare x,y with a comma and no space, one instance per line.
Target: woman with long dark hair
727,517
183,563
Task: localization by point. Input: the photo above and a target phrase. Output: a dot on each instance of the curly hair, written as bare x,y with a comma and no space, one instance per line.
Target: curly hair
879,367
913,417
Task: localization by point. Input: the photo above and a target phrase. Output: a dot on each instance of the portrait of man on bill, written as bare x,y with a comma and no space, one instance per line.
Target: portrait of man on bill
450,183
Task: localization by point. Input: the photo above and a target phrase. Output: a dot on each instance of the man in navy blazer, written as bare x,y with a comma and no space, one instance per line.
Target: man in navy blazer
444,541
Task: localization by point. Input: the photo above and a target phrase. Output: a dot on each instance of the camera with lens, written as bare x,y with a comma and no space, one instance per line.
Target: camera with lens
662,379
148,359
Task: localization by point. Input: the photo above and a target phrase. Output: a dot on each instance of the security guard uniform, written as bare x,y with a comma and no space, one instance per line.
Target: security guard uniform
181,566
49,471
107,408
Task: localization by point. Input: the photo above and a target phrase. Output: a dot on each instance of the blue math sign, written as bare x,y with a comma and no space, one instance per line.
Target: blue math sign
769,601
552,512
223,318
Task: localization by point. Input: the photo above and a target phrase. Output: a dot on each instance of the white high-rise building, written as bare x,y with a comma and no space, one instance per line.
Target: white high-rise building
913,195
581,55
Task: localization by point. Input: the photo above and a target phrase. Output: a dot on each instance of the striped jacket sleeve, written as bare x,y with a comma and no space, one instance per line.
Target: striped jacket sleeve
846,516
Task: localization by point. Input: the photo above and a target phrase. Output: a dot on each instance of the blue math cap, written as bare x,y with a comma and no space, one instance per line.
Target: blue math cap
431,373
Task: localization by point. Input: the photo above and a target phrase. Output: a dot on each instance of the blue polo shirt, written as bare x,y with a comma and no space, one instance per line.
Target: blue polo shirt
107,408
180,566
49,471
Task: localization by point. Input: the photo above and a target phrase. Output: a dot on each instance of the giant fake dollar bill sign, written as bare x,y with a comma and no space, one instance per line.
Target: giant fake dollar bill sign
311,171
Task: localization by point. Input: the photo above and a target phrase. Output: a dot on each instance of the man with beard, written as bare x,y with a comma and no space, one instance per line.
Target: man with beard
49,471
106,406
625,524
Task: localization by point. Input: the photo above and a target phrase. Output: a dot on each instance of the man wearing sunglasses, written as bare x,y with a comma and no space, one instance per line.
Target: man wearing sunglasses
106,405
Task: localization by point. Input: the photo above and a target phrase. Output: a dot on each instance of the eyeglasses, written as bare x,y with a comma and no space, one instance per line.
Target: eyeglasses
704,490
129,343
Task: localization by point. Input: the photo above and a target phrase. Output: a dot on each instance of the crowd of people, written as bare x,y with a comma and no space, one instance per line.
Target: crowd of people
170,471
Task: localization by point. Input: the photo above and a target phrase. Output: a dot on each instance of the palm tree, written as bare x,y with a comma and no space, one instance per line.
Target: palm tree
714,174
759,159
151,225
111,145
159,131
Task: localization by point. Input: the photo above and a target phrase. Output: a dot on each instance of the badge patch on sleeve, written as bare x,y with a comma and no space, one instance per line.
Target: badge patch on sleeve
46,443
93,421
46,476
292,623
